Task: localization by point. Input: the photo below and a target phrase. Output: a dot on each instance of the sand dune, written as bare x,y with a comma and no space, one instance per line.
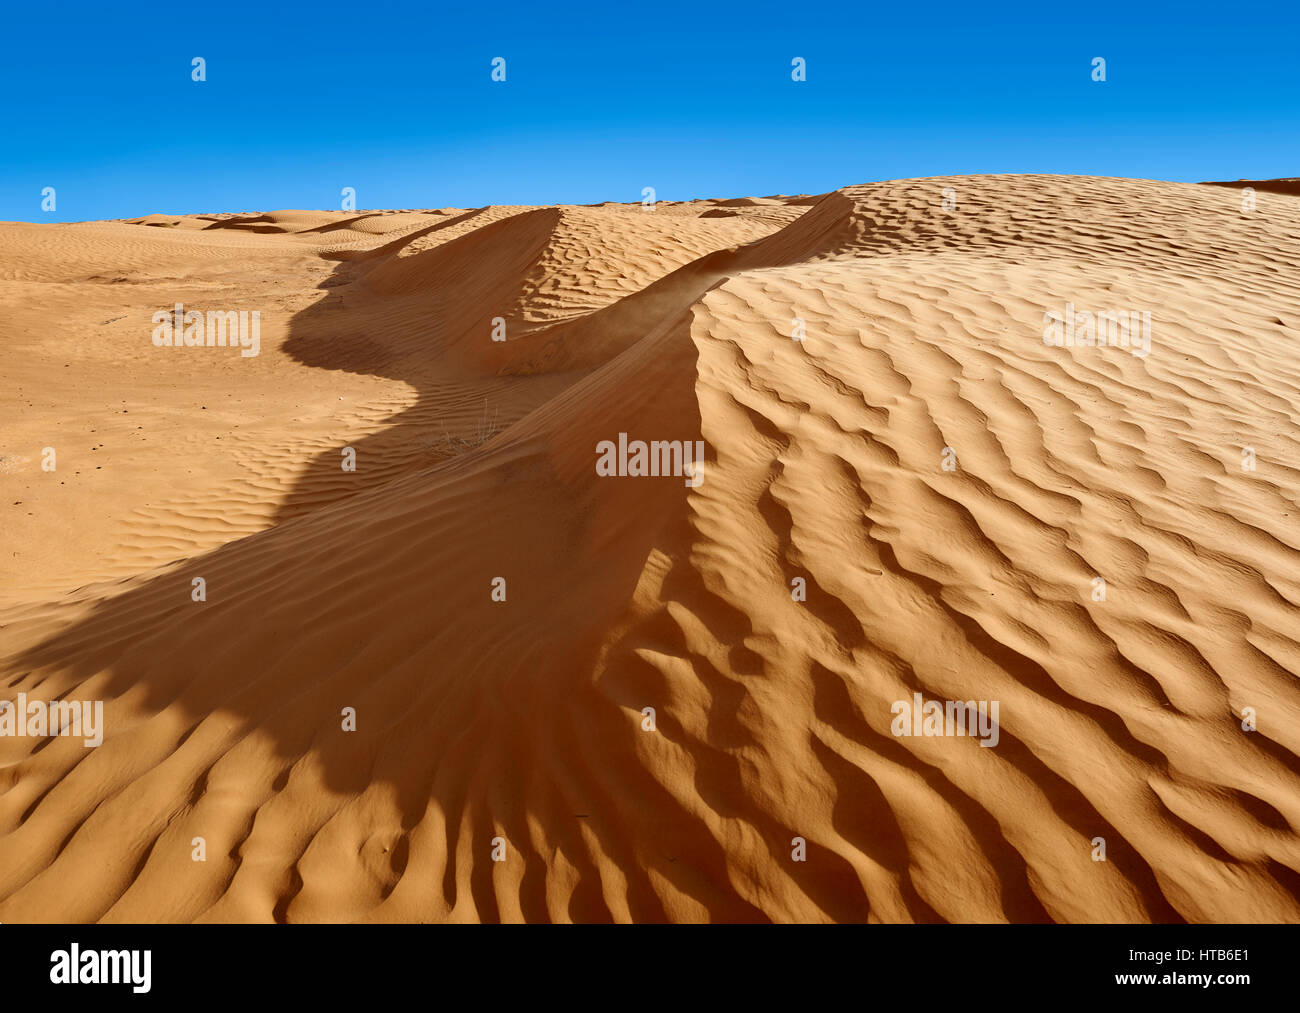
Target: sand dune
1289,186
946,488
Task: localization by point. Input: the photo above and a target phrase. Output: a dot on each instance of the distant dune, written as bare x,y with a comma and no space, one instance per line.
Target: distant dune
908,489
1287,186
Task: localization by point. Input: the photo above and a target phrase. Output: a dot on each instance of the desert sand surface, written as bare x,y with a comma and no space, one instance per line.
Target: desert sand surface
946,488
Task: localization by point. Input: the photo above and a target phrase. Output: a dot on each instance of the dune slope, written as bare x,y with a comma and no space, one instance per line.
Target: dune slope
918,495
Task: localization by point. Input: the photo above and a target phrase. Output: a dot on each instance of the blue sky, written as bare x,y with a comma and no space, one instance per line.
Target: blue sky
695,99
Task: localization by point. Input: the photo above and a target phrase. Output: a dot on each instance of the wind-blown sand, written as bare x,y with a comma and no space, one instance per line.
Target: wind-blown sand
522,720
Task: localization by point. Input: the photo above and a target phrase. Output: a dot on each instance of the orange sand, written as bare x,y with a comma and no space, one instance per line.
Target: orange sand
522,720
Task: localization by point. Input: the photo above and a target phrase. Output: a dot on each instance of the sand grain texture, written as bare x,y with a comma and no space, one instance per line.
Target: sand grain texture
521,720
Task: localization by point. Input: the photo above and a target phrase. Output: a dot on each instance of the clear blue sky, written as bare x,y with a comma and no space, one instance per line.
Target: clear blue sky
694,99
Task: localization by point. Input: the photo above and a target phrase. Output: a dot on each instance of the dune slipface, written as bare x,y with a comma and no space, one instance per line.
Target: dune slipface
1024,442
